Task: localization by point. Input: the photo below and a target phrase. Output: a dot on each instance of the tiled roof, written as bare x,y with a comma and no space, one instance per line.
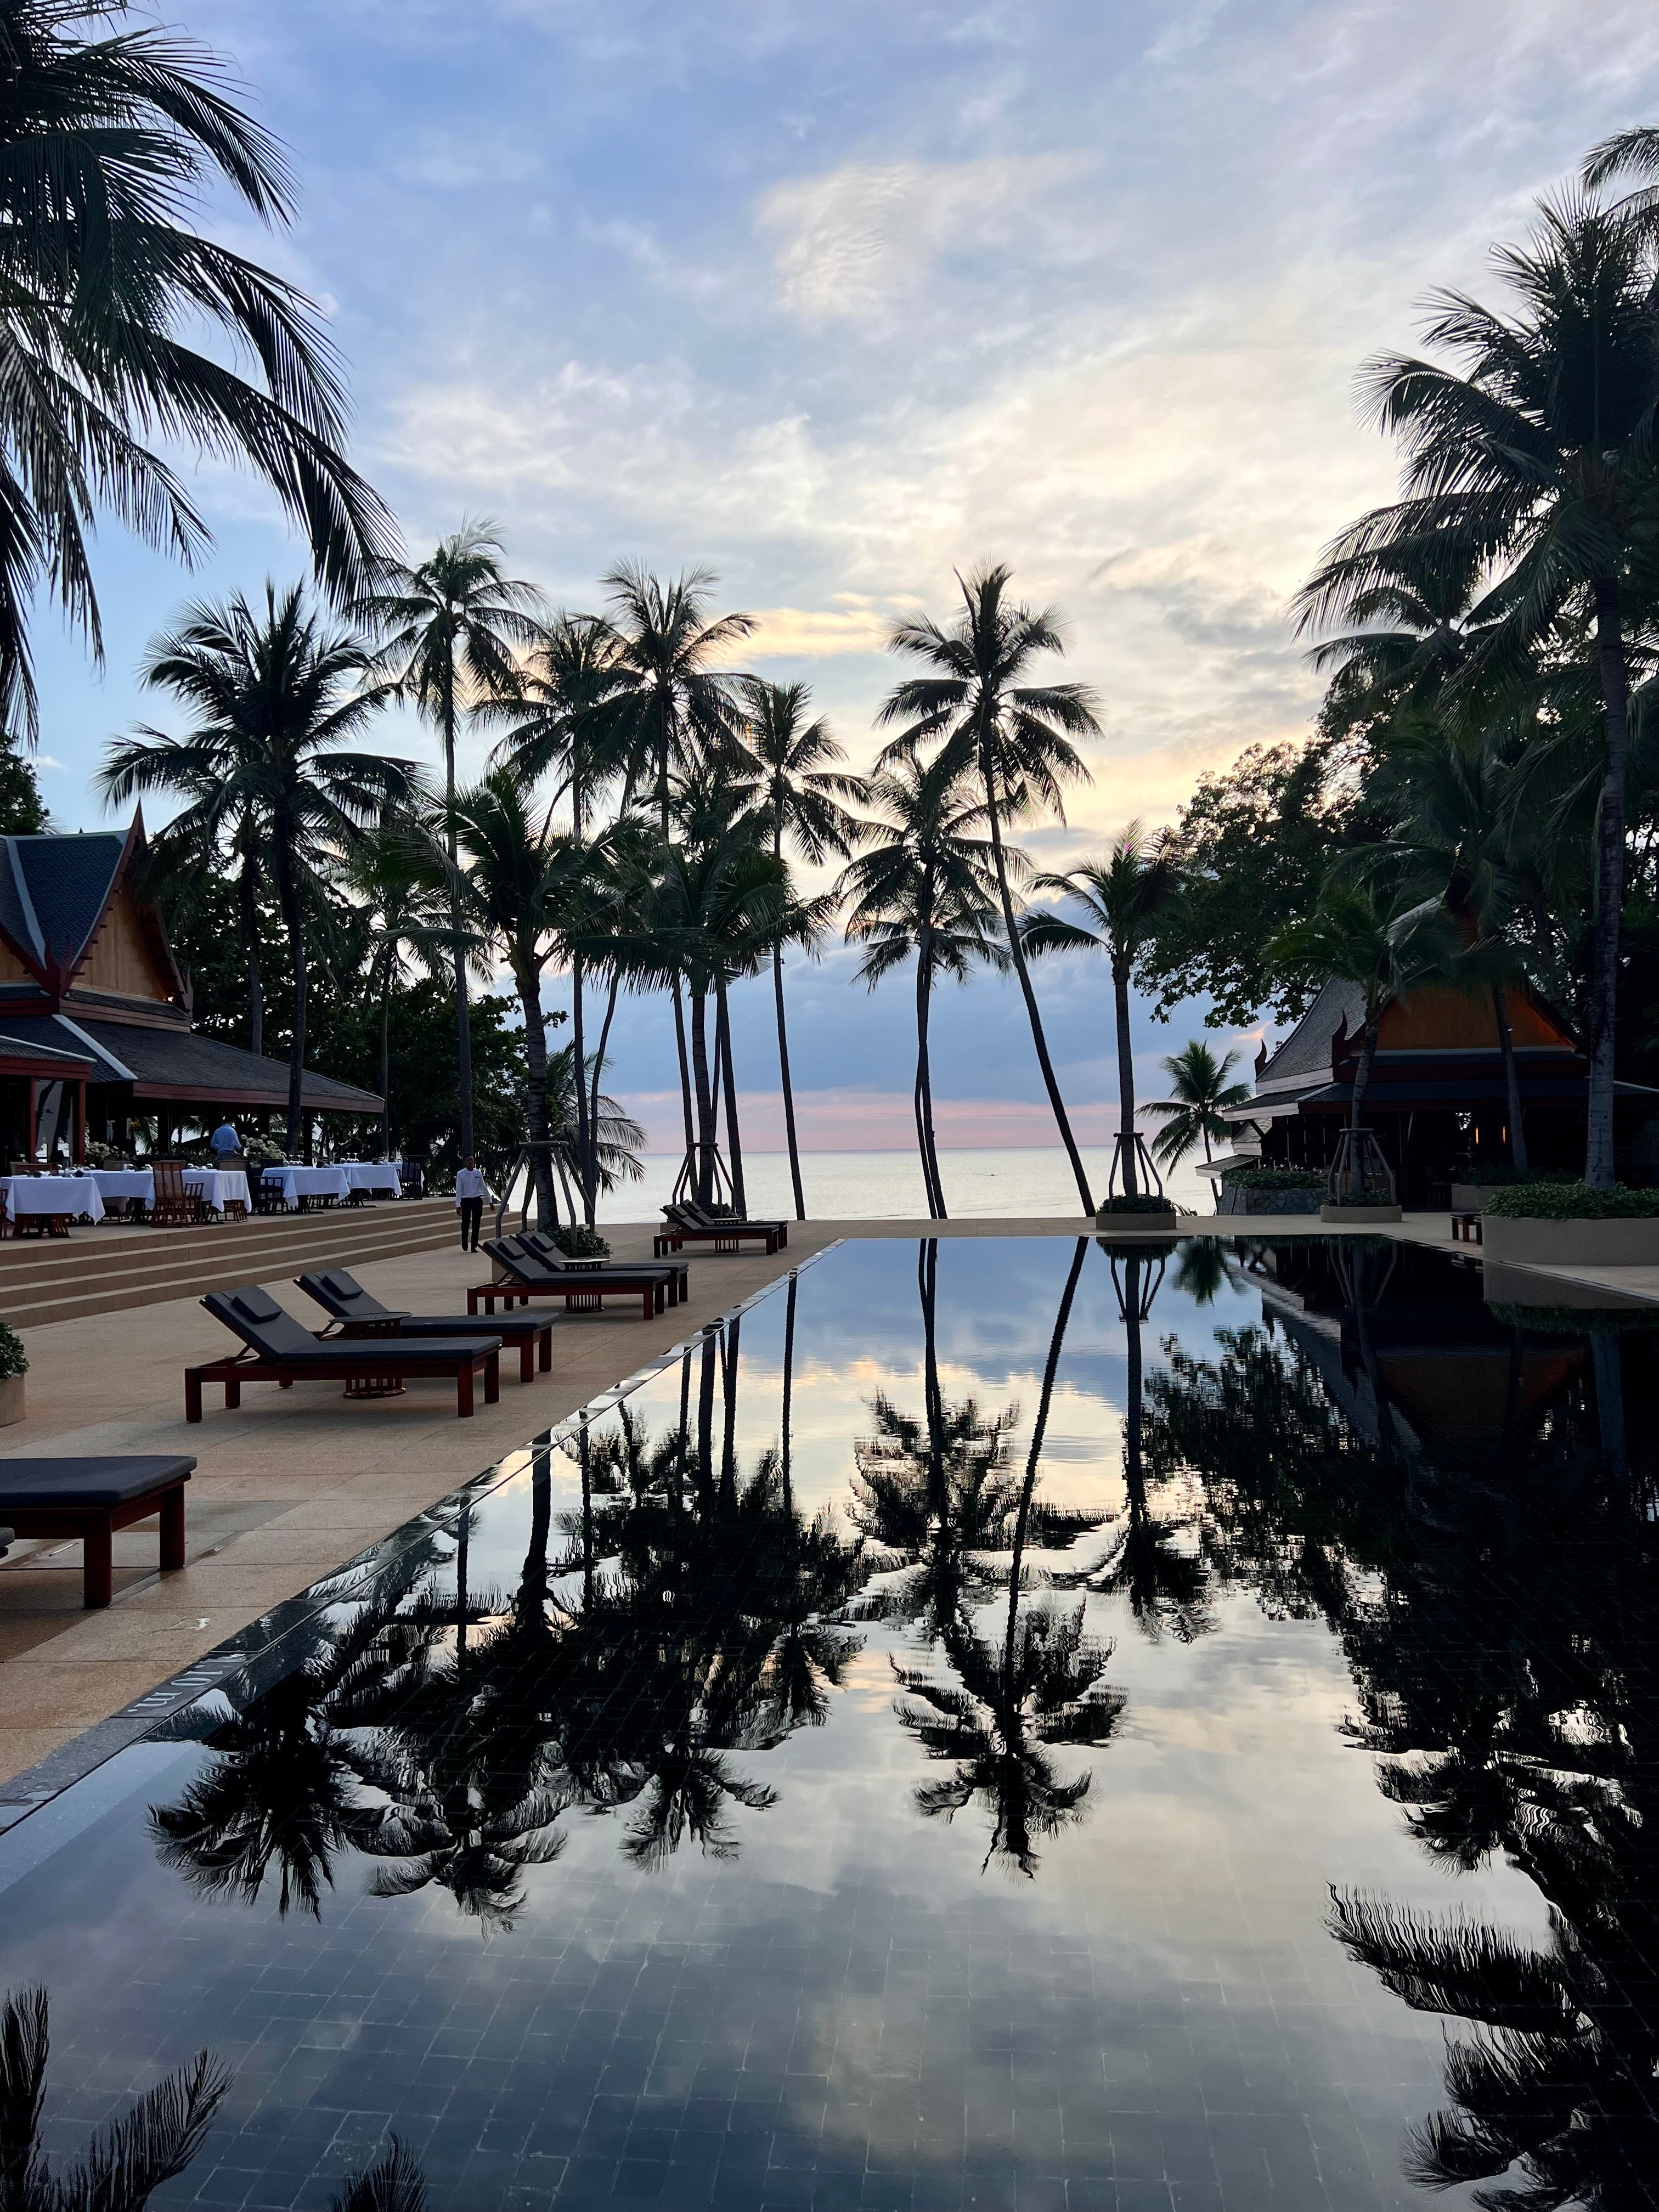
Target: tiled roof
1307,1050
177,1059
64,883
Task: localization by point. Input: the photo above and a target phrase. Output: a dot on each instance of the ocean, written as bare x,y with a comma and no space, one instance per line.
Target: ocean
887,1185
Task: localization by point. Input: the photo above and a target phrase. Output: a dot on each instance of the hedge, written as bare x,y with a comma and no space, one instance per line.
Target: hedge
1571,1201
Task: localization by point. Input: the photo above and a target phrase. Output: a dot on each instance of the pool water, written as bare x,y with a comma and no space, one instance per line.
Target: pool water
1005,1723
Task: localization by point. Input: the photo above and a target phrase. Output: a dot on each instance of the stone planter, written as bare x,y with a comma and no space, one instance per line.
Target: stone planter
12,1407
1571,1244
1353,1214
1166,1223
1268,1201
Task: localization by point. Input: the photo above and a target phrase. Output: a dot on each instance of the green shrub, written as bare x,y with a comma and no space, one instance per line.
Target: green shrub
1571,1201
14,1360
1273,1179
1369,1193
1139,1201
578,1241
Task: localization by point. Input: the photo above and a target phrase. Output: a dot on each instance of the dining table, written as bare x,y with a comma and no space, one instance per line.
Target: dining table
379,1178
215,1185
74,1194
297,1183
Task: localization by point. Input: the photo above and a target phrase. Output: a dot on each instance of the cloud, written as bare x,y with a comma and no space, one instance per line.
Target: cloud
819,633
852,242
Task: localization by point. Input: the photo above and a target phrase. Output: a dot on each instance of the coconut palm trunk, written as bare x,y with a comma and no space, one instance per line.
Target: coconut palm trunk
248,889
463,1010
590,1196
585,1174
1363,1073
299,1127
704,1164
1126,1082
1609,881
538,1122
1050,1083
924,1099
685,1071
386,1057
788,1090
1500,1007
733,1135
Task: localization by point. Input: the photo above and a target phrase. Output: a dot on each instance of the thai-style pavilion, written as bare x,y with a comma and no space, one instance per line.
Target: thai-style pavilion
1436,1099
95,1013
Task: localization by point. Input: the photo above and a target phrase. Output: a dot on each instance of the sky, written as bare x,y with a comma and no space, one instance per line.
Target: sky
836,299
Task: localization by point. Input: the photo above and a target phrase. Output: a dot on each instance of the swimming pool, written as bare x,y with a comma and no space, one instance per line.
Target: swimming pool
1000,1722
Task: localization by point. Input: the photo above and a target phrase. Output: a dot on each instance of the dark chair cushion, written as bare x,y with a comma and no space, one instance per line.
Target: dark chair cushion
96,1481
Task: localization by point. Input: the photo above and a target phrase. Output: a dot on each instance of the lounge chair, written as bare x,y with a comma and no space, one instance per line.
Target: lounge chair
91,1498
539,1246
583,1290
723,1237
360,1313
280,1349
172,1206
698,1217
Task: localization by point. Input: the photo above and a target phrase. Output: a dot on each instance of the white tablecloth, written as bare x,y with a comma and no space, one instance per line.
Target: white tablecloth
373,1175
217,1185
214,1184
52,1195
124,1183
296,1183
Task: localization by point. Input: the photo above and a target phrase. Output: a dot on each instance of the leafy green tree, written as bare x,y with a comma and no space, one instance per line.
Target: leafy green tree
1386,947
925,886
1126,897
22,810
449,629
805,800
1533,456
1254,845
1016,737
275,693
391,878
1201,1095
111,147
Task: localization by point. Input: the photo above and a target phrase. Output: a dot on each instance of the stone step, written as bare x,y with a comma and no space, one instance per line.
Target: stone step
104,1277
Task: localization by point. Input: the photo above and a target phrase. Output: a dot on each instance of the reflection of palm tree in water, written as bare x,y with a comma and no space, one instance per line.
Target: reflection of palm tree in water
1038,1685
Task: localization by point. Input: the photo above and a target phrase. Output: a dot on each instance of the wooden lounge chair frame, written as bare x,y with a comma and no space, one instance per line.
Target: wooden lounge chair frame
586,1294
94,1524
537,1246
729,1237
694,1216
394,1361
532,1333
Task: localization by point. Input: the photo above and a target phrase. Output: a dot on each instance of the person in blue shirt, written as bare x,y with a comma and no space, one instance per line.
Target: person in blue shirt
225,1140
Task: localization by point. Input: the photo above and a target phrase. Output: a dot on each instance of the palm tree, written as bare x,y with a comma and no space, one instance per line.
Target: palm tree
1535,460
1386,948
275,693
803,800
612,1137
390,873
925,884
550,731
121,2171
188,857
672,709
112,147
448,630
517,881
1016,737
1129,898
1197,1111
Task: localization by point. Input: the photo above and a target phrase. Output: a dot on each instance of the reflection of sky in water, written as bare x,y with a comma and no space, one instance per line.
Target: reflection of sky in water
851,2006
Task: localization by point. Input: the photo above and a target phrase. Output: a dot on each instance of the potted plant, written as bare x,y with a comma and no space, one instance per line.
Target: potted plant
1362,1202
1270,1190
1136,1212
14,1366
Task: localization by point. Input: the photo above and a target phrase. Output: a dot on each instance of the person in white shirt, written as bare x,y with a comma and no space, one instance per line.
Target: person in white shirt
224,1140
471,1192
